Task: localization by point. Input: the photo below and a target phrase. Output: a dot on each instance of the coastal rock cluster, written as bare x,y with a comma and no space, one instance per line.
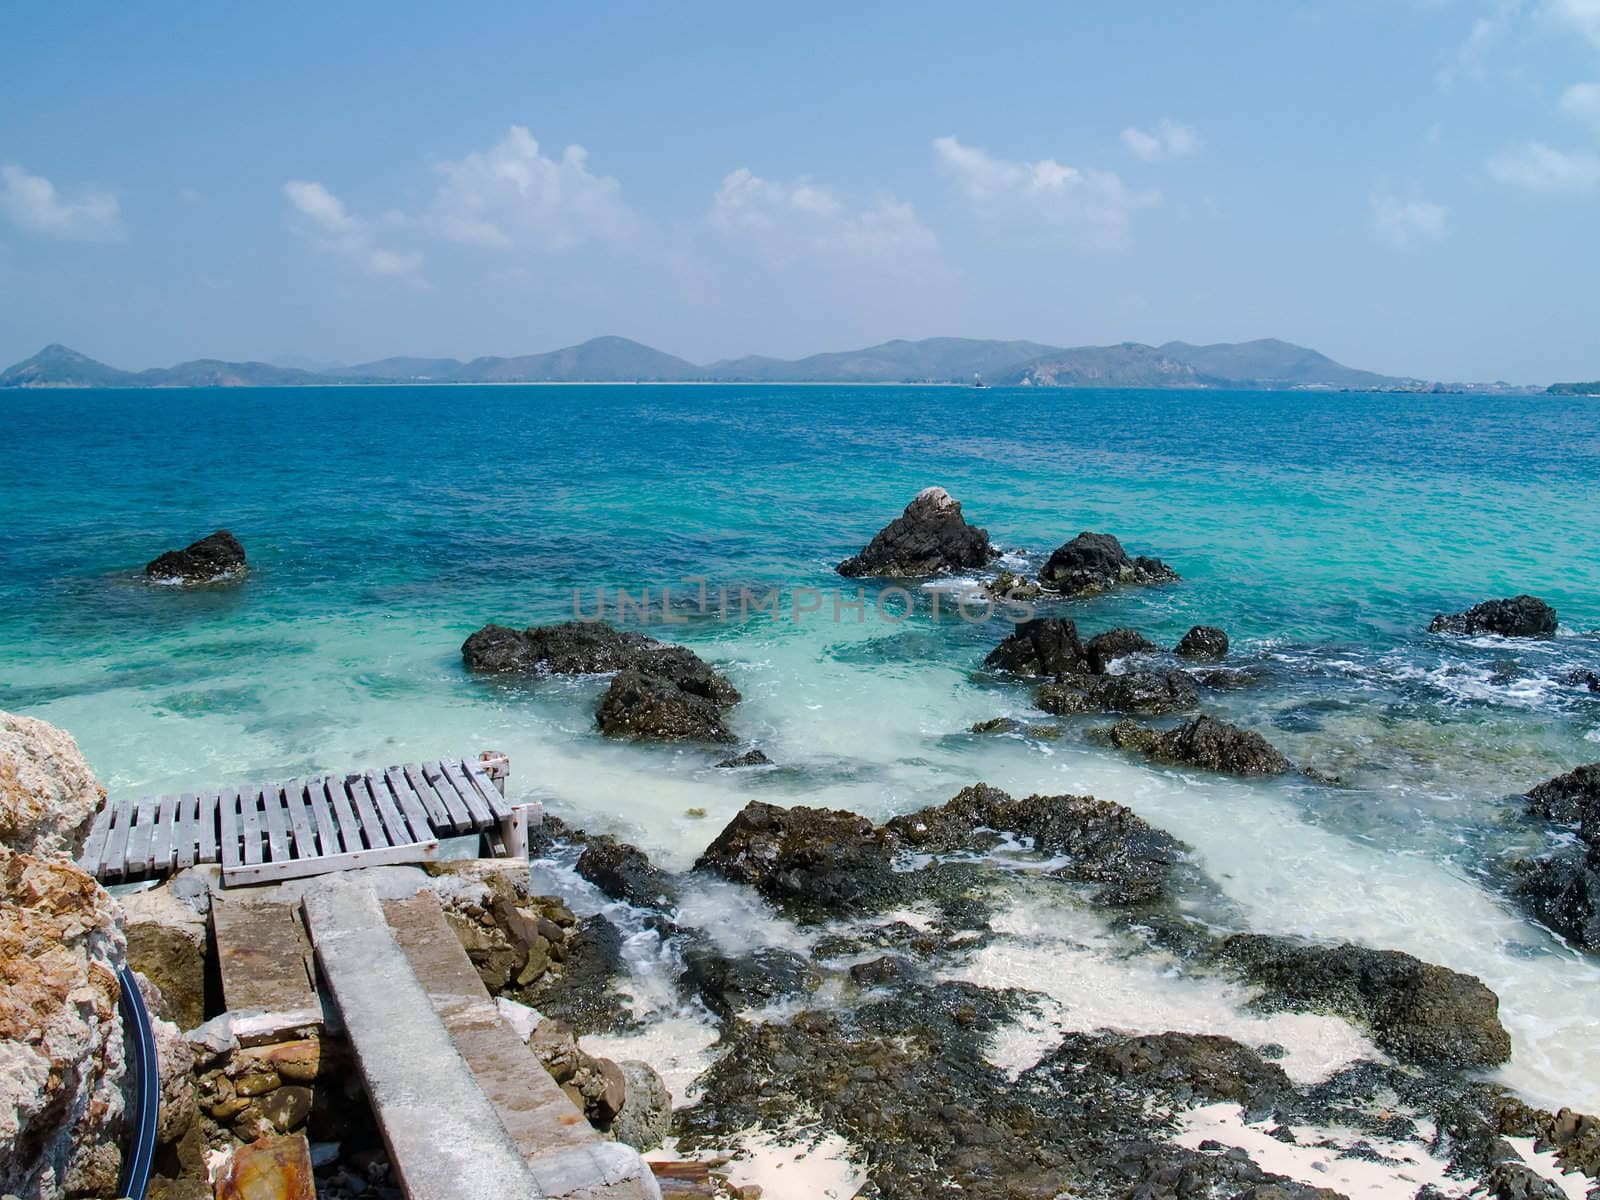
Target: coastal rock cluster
212,559
932,538
658,692
1561,887
1518,617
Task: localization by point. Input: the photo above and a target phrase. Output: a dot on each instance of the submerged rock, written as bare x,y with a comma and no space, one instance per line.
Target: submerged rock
1203,642
750,758
1200,742
930,538
1584,678
1152,692
1096,562
1417,1011
1042,646
1520,616
731,983
48,795
1105,648
1046,733
215,557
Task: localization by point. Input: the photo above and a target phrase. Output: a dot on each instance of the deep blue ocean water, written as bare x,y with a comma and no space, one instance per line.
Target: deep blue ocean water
1322,530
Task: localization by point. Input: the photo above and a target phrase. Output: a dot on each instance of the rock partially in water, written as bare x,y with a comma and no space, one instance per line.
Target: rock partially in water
1561,888
731,983
1042,646
750,758
1008,585
213,558
1582,677
1105,648
1205,642
1520,616
1152,692
579,648
1200,742
1572,799
1417,1011
1043,733
652,708
625,872
1129,860
1096,562
61,1089
48,795
816,862
1183,1068
930,538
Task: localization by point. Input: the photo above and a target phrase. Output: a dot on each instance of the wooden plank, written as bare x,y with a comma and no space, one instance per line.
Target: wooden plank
393,822
371,825
460,815
144,817
163,835
116,857
322,814
277,823
230,832
305,841
93,860
186,831
481,817
300,868
498,808
416,816
206,822
250,822
349,826
438,815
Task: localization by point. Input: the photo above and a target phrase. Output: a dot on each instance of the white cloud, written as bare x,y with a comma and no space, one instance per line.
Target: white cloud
789,221
1167,140
1580,16
1093,208
1537,167
1582,102
1405,222
33,203
512,196
334,230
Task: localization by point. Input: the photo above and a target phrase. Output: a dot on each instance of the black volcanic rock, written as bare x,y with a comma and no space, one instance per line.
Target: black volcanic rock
625,872
930,538
1150,692
1042,646
654,708
1417,1011
1104,648
1200,742
661,692
1096,562
214,557
1562,887
1520,616
750,758
1205,642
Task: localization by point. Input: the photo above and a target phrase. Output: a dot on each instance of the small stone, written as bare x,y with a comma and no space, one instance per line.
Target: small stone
258,1084
276,1167
610,1101
287,1108
698,813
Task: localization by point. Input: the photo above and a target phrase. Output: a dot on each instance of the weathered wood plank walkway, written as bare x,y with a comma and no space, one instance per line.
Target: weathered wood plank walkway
262,833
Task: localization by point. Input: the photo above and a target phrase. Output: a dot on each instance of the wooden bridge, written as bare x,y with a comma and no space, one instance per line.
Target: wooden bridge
264,833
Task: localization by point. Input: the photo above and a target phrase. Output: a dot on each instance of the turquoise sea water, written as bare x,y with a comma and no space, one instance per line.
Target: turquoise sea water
385,524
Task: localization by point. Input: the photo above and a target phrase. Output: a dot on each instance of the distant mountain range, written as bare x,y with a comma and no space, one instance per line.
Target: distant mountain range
1266,364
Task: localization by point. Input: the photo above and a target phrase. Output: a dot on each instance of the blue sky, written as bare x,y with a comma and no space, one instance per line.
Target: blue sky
1411,186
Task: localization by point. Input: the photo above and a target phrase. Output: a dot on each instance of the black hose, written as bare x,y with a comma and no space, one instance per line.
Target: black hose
140,1039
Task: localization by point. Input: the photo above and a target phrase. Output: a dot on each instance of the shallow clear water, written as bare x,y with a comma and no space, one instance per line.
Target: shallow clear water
384,525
